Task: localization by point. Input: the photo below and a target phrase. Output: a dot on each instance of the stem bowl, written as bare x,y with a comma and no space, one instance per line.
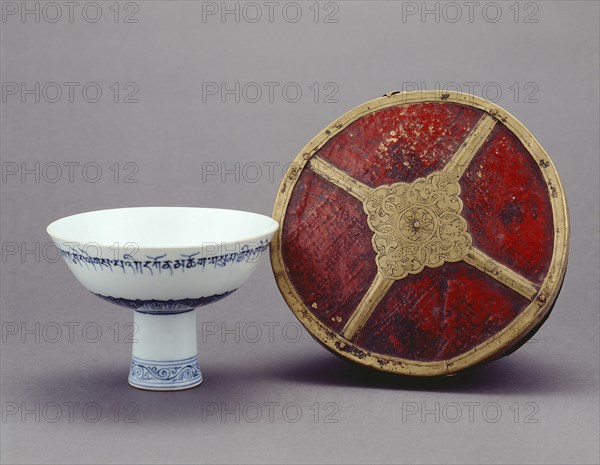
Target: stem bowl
163,262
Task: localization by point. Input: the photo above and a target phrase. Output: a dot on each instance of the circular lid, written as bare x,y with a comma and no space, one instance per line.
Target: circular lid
421,233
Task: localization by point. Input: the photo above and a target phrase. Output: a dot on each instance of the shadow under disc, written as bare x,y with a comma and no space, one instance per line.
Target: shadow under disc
514,374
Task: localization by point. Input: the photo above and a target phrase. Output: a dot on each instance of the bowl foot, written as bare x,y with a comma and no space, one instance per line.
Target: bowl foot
169,375
164,352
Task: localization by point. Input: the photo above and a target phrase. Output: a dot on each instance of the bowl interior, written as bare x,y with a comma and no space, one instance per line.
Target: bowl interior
163,227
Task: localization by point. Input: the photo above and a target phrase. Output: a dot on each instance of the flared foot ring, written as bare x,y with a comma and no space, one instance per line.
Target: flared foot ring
165,375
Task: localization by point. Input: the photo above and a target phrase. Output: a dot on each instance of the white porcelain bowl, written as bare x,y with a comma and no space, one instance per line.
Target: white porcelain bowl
163,262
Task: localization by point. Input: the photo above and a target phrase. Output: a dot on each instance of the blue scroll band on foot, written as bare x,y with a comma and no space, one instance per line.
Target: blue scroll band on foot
165,374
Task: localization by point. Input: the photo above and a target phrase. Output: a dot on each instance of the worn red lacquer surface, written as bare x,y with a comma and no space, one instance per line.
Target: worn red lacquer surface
440,312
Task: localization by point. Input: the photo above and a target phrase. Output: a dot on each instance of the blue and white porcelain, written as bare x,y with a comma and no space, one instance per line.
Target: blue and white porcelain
163,262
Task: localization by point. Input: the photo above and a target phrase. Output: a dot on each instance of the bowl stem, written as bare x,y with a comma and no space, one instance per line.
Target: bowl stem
165,351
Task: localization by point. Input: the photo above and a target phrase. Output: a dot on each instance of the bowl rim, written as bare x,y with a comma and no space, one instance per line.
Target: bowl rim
268,232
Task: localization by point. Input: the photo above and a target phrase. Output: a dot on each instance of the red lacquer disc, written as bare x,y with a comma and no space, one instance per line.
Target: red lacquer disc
421,233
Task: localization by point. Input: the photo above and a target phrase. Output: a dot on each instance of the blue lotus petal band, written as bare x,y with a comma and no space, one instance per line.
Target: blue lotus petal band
164,307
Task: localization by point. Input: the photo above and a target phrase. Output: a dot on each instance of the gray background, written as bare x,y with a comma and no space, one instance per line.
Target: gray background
539,405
